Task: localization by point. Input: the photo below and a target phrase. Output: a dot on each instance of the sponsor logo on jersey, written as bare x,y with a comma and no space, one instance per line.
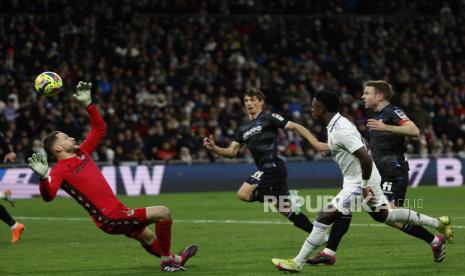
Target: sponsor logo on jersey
277,116
251,132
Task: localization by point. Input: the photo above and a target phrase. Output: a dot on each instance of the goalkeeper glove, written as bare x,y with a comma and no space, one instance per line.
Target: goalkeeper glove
38,163
82,94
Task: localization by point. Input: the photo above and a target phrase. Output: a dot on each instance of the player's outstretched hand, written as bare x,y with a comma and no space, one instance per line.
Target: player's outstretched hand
10,157
82,94
38,163
209,142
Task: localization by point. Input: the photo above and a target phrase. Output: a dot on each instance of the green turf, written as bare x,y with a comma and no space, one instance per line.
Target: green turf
79,248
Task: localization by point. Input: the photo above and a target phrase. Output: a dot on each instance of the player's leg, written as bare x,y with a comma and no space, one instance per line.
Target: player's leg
251,193
338,230
338,206
160,241
316,238
15,227
271,183
395,189
161,216
383,213
149,242
299,219
6,217
278,184
6,195
245,192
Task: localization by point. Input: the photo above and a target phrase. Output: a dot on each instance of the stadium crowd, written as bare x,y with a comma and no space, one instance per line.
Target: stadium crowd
164,82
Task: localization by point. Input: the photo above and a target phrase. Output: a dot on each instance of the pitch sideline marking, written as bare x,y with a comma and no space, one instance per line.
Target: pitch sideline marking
215,221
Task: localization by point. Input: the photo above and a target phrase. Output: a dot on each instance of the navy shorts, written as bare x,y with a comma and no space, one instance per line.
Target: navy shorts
271,179
395,188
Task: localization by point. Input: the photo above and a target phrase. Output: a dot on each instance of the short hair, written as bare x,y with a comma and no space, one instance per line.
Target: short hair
382,87
49,142
330,99
254,92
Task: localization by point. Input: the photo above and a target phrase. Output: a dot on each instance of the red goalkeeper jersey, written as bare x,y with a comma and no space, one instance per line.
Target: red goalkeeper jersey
80,177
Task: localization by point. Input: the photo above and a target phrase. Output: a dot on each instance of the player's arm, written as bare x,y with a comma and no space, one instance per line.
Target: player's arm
48,184
7,150
402,124
230,152
98,126
352,141
304,132
408,128
366,164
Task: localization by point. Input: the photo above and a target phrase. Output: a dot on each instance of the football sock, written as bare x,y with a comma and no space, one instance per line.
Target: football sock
338,230
154,248
13,227
301,221
163,233
407,216
418,232
166,258
435,241
5,216
330,252
313,241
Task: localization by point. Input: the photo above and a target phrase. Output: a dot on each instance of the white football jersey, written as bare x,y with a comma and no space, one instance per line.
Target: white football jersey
343,140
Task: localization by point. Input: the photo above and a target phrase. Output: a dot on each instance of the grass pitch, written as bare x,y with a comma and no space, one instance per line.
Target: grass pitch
234,238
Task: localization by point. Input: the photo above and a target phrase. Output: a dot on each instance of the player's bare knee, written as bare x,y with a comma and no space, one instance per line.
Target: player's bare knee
244,196
164,213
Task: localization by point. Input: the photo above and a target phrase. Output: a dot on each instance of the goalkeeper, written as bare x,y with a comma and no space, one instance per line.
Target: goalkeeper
78,175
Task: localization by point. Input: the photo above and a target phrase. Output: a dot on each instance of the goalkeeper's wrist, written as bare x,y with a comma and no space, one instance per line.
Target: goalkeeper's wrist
365,183
44,177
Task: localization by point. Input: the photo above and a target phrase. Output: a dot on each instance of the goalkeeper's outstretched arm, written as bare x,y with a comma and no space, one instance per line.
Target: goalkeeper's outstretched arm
98,126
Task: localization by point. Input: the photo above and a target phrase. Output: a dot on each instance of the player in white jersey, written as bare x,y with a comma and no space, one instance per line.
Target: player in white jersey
361,185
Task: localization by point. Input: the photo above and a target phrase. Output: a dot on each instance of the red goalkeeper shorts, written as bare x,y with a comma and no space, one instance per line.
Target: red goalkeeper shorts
122,220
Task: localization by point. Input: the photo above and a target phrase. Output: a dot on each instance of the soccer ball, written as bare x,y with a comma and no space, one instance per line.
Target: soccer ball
48,84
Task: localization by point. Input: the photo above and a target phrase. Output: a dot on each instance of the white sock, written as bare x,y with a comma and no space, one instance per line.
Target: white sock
326,238
14,226
2,195
313,241
330,252
435,241
177,258
165,258
407,216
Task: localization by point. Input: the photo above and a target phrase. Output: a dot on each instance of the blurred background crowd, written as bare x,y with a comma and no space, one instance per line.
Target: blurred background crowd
163,81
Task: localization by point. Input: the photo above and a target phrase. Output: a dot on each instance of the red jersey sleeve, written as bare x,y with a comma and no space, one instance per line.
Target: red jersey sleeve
50,186
98,129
